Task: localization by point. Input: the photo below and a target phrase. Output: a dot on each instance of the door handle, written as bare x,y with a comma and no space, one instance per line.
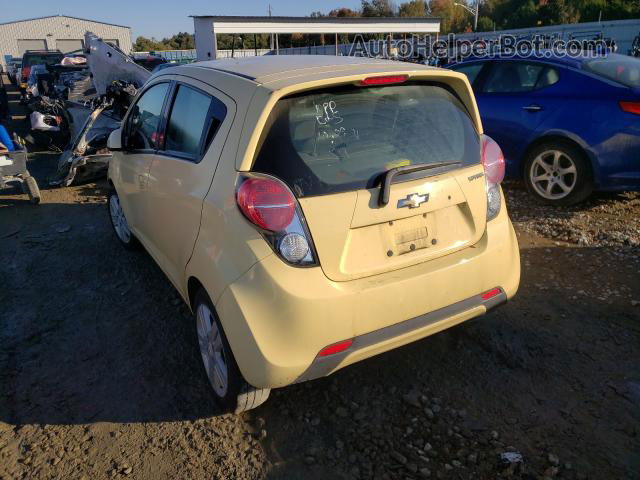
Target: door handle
532,108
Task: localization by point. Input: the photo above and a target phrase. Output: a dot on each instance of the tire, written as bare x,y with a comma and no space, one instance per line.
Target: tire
31,188
119,222
558,173
231,391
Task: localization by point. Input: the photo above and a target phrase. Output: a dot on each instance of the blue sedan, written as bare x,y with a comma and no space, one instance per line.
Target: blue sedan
568,126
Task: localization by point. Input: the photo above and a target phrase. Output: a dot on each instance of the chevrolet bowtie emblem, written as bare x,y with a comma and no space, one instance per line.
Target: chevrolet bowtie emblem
413,200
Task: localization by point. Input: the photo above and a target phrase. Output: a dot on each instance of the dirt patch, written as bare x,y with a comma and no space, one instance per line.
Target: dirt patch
604,220
101,376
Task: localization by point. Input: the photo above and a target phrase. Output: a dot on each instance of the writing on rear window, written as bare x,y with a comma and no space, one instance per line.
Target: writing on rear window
329,120
346,138
327,113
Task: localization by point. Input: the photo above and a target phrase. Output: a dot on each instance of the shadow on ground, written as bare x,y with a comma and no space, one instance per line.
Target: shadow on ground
90,332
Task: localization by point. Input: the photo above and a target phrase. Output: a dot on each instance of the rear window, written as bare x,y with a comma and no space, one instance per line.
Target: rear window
619,68
344,139
42,59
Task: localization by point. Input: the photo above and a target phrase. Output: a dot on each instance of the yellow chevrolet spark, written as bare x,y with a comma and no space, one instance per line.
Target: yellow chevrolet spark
313,211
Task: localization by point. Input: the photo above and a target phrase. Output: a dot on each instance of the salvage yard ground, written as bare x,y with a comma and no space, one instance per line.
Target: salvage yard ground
101,376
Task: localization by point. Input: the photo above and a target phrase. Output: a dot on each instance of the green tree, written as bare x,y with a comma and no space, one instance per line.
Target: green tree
343,12
453,19
144,44
485,24
377,8
414,8
181,41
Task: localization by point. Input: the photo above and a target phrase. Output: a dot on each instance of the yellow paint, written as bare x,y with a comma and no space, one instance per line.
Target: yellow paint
277,317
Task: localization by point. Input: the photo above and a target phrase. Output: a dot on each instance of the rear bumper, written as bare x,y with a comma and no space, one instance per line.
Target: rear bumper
401,333
277,318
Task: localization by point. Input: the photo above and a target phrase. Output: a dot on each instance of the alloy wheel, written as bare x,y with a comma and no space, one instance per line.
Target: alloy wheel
212,350
118,219
553,174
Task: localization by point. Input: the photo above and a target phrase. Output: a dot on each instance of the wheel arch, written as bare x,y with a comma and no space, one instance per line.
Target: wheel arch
566,138
193,285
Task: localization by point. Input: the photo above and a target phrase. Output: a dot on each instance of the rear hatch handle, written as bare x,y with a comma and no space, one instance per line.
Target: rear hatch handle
387,179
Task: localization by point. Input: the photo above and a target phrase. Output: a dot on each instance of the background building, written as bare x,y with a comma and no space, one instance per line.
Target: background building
57,32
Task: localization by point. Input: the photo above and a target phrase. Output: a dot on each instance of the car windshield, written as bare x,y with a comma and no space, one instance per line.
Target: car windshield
619,68
43,59
343,139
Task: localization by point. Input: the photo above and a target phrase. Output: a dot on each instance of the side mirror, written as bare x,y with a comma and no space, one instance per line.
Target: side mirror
114,143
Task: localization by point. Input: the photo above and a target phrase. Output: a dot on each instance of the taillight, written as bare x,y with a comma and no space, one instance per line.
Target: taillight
269,205
25,73
630,107
386,80
492,160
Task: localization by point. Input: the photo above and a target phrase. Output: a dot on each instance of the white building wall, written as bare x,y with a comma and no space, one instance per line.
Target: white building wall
58,27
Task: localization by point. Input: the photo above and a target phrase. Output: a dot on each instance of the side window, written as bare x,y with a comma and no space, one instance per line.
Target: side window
549,77
471,70
513,77
145,117
193,122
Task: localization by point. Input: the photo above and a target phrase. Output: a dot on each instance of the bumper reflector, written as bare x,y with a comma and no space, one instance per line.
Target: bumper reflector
491,293
335,348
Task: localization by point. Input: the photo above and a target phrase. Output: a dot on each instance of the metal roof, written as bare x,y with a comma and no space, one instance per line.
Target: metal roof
64,16
251,24
261,19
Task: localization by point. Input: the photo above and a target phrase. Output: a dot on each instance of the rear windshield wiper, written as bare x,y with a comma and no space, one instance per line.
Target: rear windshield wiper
385,191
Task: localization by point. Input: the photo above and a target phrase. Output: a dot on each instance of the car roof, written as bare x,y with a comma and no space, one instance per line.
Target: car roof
567,61
42,52
278,68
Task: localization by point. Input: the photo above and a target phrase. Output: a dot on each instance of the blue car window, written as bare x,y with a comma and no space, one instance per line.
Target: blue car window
513,77
471,71
619,68
548,77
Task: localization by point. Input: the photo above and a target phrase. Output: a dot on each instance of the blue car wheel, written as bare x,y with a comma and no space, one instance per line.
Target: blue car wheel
557,173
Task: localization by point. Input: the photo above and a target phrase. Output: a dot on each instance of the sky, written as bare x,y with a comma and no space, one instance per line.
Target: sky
163,18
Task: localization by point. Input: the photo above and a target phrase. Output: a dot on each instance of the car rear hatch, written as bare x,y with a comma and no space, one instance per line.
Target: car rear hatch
335,148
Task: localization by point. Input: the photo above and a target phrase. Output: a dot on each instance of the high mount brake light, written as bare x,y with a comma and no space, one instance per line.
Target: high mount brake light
267,203
630,107
492,160
386,80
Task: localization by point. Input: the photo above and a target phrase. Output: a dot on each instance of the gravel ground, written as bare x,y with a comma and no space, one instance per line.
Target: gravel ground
604,220
101,377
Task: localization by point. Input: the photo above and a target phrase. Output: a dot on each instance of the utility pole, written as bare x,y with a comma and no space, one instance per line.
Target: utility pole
472,11
475,19
271,42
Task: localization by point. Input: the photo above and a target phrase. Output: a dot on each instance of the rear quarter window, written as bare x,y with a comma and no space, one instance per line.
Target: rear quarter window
345,138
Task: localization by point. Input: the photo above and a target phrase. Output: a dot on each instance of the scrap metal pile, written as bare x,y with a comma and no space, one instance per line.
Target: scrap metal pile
77,104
